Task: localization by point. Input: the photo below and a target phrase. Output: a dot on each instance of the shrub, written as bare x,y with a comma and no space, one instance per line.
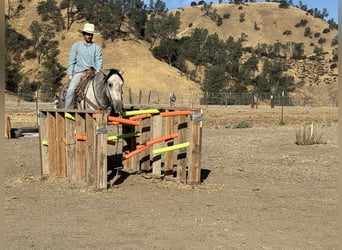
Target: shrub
332,66
306,135
242,17
227,15
284,5
281,122
307,31
287,32
321,40
326,30
317,34
302,23
243,124
334,41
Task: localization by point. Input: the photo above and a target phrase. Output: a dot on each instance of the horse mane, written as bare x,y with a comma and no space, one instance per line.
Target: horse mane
112,72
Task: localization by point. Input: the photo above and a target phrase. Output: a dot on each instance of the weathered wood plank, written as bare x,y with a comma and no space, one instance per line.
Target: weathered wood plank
80,148
182,154
195,153
44,142
101,150
90,149
169,156
51,123
70,140
145,156
157,132
60,134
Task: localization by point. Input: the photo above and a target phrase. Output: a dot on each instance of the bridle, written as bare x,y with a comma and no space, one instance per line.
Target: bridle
106,90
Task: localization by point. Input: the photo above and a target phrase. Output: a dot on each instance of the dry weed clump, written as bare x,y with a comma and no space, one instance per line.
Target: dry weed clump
307,135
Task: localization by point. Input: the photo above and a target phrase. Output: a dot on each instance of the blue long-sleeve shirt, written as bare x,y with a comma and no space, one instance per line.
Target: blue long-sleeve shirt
83,56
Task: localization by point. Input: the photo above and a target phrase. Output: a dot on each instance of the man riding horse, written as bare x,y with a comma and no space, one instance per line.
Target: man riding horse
85,59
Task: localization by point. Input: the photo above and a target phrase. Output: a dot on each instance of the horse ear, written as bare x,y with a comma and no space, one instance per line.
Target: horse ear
121,71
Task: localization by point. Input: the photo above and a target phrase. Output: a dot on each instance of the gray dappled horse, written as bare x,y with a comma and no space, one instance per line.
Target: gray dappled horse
103,91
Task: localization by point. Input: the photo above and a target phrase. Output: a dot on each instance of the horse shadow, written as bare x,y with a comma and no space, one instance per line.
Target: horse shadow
116,176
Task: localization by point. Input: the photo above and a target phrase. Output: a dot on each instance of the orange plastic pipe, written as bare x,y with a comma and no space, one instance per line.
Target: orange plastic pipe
139,117
122,120
81,137
137,151
78,137
175,113
160,139
117,120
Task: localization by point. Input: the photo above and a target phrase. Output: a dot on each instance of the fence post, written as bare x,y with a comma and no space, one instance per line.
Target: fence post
195,149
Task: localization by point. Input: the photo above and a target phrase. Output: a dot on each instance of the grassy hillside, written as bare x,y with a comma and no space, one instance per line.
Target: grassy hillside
143,71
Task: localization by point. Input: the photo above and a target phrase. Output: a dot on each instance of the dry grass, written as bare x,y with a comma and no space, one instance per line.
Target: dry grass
307,135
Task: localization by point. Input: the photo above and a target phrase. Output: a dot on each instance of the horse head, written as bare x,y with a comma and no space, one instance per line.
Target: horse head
114,88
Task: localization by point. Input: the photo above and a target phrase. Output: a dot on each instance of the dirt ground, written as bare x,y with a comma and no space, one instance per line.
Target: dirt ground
260,191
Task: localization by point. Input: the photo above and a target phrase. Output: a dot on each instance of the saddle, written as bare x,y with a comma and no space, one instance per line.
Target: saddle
80,89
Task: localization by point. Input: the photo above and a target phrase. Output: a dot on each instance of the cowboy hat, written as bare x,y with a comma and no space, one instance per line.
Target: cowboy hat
88,28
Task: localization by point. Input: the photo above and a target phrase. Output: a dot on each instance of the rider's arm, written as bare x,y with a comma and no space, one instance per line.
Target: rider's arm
98,59
72,61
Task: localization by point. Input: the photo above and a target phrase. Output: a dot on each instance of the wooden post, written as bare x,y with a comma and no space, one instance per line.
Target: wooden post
101,150
44,143
139,100
195,153
8,128
130,98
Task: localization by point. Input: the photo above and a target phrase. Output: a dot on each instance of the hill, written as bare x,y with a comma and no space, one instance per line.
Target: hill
262,23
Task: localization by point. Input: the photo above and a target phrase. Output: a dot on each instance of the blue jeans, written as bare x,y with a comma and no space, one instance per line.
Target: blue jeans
71,89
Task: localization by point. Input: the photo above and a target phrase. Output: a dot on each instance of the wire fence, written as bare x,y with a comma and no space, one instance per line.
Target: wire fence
30,101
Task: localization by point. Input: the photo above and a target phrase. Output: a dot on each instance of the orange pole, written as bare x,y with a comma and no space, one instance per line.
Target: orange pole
137,151
139,117
81,137
174,113
117,120
122,120
160,139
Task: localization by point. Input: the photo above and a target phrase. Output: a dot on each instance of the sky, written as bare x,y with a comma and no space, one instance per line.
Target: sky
330,5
